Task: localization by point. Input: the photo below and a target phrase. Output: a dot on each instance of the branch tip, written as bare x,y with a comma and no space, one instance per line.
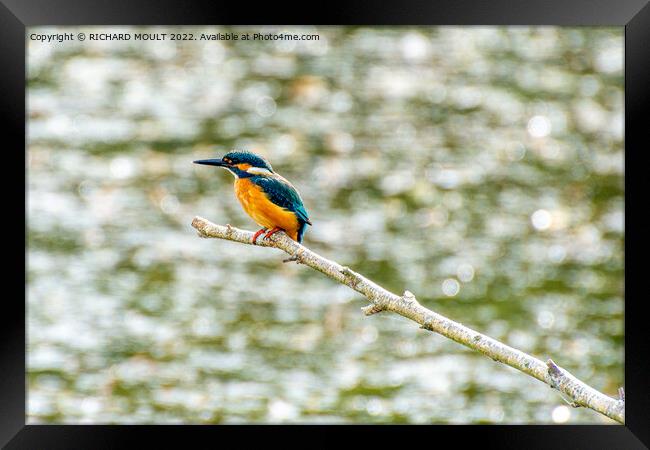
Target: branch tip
409,297
372,309
569,402
553,369
427,325
355,277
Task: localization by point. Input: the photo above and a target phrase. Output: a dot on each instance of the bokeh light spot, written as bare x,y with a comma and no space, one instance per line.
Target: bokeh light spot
121,167
541,219
561,414
539,126
265,106
450,287
465,272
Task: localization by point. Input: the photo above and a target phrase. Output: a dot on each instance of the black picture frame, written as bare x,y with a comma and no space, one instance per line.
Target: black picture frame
16,15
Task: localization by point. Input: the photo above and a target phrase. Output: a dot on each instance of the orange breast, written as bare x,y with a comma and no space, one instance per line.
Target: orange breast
262,210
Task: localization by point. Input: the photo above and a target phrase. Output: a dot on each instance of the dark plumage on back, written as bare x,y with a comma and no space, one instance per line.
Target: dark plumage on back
283,194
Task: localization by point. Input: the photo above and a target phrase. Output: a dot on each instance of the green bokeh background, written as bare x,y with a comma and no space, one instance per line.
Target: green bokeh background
479,167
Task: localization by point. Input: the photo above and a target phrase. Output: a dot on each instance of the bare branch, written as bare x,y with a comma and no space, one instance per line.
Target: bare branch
579,393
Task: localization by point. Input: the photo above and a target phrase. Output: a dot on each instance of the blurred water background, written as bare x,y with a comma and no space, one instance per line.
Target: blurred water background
480,168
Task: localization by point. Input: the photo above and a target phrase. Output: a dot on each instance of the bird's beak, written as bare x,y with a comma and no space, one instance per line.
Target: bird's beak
212,162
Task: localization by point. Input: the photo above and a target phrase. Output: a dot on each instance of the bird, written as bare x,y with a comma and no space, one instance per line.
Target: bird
267,197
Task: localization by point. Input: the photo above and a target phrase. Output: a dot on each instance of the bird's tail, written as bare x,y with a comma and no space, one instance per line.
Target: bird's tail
301,230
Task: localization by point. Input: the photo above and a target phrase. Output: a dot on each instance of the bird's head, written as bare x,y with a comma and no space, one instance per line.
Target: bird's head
240,163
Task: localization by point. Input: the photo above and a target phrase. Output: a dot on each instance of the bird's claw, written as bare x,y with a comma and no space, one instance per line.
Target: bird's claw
256,235
271,233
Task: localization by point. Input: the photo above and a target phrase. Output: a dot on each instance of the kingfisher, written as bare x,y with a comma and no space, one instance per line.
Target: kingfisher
268,198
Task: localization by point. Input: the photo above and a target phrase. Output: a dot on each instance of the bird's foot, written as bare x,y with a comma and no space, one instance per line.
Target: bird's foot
256,235
272,232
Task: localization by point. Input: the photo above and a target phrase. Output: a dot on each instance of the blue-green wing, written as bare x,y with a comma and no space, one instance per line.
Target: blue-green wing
283,194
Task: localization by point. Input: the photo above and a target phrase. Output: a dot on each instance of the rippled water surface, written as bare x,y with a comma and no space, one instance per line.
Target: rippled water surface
480,168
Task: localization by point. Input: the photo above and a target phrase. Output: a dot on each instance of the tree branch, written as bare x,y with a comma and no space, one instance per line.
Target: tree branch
579,393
